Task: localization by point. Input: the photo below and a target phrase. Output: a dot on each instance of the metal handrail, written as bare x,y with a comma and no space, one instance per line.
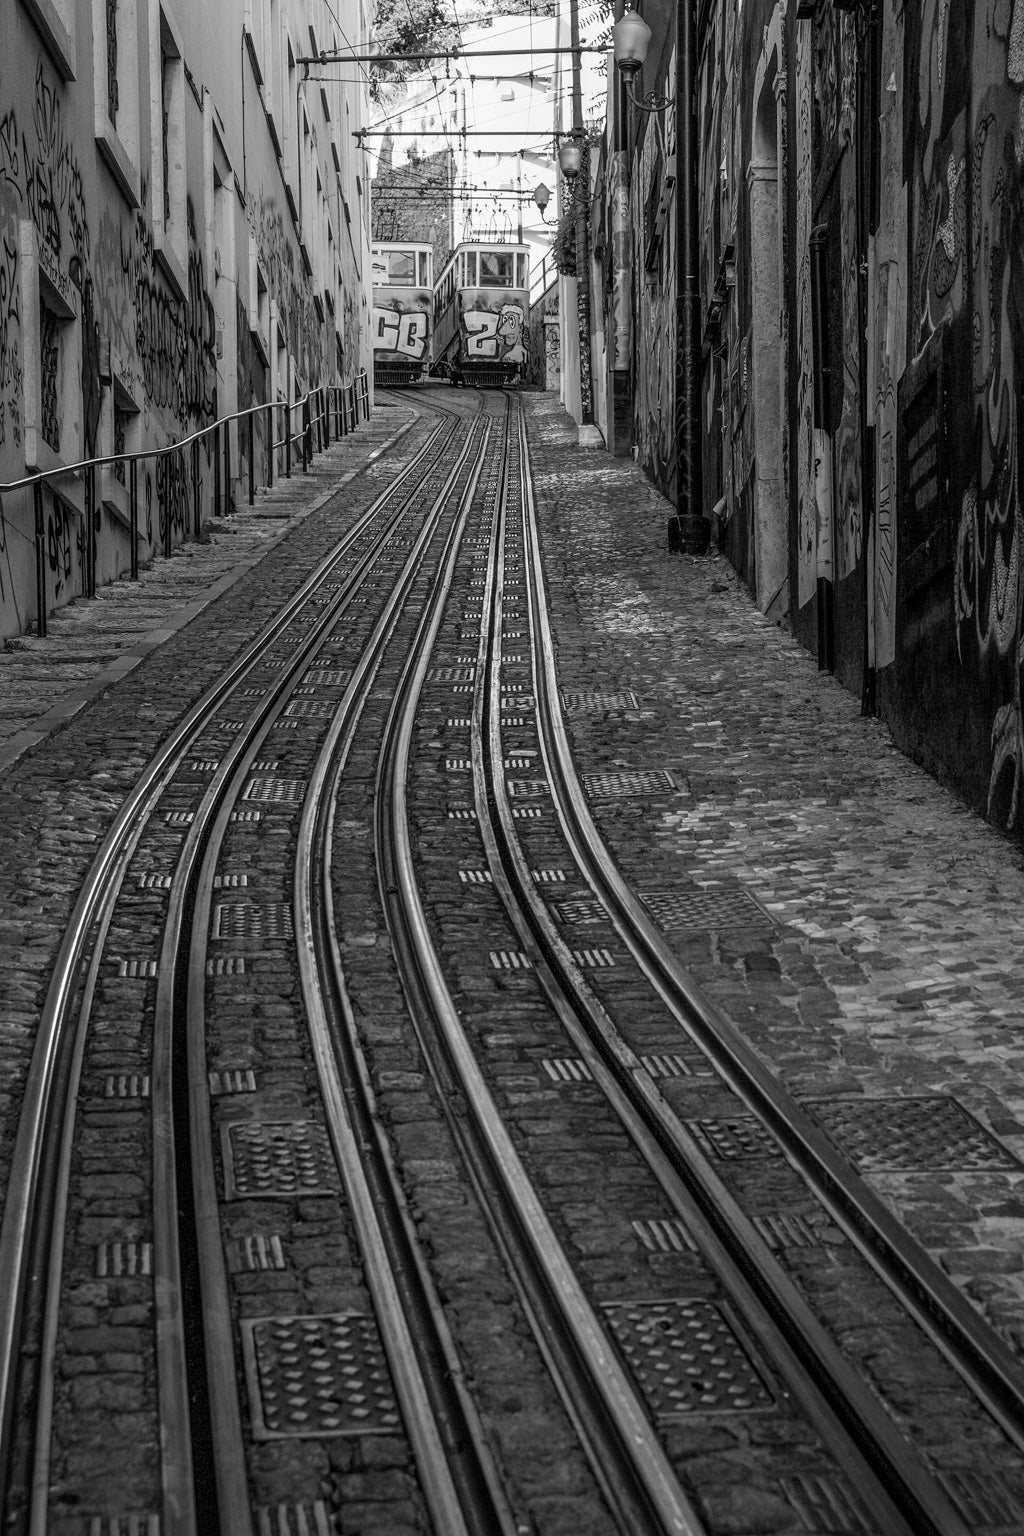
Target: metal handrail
316,404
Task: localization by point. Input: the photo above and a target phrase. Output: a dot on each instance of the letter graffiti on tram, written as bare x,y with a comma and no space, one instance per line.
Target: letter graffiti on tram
404,331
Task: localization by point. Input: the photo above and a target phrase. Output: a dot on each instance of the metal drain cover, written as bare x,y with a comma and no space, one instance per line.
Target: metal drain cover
317,1376
290,1157
699,909
608,786
241,920
729,1140
275,791
911,1135
687,1357
577,701
310,709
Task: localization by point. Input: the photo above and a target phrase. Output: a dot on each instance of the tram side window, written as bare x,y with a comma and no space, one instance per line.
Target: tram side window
496,269
424,265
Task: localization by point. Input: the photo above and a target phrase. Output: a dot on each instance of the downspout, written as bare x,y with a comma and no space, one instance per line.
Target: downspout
621,406
692,528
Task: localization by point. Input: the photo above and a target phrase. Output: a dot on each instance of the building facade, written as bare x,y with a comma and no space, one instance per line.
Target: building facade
860,192
184,233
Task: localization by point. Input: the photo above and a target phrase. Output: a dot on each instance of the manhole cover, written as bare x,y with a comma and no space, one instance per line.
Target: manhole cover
306,709
317,1376
608,786
581,910
911,1135
729,1140
291,1157
695,909
687,1357
528,789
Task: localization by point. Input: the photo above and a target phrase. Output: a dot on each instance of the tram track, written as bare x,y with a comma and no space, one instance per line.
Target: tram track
41,1190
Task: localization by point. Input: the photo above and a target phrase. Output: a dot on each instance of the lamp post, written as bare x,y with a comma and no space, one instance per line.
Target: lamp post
688,530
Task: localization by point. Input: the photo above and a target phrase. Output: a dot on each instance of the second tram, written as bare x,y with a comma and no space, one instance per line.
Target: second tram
403,305
481,314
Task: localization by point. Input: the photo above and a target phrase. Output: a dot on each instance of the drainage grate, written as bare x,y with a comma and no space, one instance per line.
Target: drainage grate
528,789
179,818
985,1498
134,1524
137,970
155,882
594,959
229,882
451,674
317,1376
475,876
285,725
664,1235
246,816
228,965
550,876
528,813
567,1069
310,709
254,1253
462,815
295,1520
458,764
828,1504
330,677
577,701
126,1085
581,910
458,720
203,765
232,727
698,909
114,1260
608,786
275,791
521,762
781,1232
239,920
509,960
508,721
688,1357
731,1140
667,1064
911,1135
290,1157
251,693
236,1080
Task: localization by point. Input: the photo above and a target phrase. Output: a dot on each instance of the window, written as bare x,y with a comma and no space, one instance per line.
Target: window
120,431
115,35
495,269
52,342
424,269
167,171
400,267
254,25
55,22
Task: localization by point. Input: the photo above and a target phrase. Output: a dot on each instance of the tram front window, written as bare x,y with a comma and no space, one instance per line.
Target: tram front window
496,269
401,267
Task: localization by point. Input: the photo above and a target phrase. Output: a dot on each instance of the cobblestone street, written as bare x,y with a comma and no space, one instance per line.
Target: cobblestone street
850,919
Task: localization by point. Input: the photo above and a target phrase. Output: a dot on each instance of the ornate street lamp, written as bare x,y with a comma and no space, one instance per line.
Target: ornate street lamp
631,38
542,196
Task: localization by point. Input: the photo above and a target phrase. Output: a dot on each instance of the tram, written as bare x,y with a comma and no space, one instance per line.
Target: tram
482,313
403,304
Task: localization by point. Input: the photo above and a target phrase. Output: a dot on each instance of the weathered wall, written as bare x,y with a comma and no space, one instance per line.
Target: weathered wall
155,277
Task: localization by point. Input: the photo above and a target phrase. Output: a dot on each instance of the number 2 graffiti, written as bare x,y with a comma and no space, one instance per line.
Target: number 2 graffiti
398,331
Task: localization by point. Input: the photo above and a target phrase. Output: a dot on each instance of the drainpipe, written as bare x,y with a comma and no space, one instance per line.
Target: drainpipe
589,434
692,529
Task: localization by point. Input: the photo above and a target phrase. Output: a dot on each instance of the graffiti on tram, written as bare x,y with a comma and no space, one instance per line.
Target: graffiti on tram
494,327
401,327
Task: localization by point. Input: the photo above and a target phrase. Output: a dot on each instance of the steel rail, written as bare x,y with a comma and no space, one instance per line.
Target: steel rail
988,1367
815,1371
30,1246
181,1098
460,1482
632,1468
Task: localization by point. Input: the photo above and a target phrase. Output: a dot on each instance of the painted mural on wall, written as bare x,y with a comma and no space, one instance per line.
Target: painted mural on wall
977,248
653,234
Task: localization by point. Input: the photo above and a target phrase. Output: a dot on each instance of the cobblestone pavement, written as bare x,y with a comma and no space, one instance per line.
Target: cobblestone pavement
866,922
879,961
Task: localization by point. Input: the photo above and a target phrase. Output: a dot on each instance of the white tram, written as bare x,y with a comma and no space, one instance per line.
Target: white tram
403,304
482,313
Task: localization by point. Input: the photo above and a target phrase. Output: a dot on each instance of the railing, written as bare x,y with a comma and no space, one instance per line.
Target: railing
541,278
342,402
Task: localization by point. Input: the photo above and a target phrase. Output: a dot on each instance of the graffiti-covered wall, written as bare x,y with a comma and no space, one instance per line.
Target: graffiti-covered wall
182,235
